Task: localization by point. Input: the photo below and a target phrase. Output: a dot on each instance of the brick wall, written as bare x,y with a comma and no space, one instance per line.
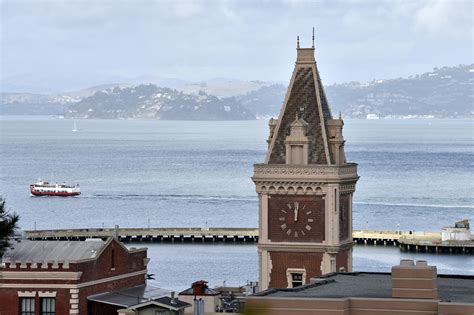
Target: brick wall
9,300
342,260
100,268
281,261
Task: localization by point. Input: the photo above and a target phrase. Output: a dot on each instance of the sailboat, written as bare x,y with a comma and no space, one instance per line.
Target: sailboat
74,129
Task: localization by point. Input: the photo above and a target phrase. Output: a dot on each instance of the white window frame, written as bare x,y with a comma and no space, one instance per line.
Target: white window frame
291,271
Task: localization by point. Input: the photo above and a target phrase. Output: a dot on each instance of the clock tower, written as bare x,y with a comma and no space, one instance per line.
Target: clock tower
304,187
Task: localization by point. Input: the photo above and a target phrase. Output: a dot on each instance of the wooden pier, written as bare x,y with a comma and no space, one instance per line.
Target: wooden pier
410,241
429,242
160,235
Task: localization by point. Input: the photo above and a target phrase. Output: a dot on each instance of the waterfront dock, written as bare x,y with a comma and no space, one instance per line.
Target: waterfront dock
406,240
155,235
411,241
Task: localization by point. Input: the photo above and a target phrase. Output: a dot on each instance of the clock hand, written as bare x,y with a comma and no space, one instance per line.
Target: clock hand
296,210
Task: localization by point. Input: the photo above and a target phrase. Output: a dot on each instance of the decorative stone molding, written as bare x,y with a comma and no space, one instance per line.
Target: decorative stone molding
305,247
26,293
71,286
347,188
40,275
47,294
311,171
290,188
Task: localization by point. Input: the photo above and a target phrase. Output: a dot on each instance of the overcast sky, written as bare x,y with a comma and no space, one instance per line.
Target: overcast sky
80,43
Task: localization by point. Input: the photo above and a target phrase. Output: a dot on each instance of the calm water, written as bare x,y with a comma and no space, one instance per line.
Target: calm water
414,173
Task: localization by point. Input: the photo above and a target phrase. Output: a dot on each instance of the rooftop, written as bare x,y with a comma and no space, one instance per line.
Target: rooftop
35,251
451,288
133,296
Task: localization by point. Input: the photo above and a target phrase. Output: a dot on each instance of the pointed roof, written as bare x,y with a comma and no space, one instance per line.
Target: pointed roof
306,99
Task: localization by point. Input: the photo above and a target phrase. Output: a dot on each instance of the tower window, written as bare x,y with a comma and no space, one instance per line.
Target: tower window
296,277
296,280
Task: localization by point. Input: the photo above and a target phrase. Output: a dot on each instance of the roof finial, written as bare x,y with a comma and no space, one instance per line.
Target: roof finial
340,115
313,37
298,42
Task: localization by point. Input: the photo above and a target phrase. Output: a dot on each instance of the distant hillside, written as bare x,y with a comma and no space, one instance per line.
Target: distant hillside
34,104
444,92
152,102
223,87
265,101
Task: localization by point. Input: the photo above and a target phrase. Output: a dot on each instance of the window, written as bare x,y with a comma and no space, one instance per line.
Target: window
296,277
162,312
48,306
296,280
27,306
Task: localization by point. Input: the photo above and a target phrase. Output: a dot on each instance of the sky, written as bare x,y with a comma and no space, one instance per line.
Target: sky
53,45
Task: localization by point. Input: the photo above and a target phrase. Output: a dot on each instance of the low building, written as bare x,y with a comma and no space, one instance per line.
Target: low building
66,277
202,298
460,232
410,289
139,300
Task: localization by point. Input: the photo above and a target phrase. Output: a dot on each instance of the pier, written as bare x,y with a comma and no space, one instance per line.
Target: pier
409,241
155,235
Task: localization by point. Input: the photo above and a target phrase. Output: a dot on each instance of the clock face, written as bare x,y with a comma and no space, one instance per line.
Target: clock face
296,218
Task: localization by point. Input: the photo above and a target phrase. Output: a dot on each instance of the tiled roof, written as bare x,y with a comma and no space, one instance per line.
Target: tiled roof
35,251
307,100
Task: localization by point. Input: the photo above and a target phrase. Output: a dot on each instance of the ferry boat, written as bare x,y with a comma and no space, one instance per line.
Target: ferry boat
42,188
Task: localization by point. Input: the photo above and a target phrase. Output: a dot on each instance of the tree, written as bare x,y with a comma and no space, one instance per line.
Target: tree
8,225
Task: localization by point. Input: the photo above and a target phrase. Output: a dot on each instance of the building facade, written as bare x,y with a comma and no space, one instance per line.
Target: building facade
304,187
56,277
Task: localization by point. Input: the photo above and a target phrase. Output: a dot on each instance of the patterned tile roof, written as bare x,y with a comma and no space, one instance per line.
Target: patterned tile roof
305,99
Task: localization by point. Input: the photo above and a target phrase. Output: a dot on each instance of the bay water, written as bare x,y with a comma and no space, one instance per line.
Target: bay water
415,175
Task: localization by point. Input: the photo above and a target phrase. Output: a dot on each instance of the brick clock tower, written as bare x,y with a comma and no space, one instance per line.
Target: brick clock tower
304,187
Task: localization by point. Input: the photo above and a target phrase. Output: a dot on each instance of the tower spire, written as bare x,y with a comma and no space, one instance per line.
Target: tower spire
298,42
313,37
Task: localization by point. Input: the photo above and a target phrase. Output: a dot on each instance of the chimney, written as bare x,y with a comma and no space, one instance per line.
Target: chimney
414,281
199,287
173,299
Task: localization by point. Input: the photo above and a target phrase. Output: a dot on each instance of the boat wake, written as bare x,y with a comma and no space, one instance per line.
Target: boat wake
170,197
413,205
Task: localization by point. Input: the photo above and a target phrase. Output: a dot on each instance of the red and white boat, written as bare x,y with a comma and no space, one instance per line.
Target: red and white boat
42,188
